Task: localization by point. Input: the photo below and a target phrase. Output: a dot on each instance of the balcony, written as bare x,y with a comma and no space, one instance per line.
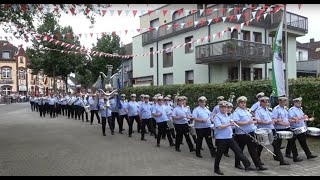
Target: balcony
295,22
233,50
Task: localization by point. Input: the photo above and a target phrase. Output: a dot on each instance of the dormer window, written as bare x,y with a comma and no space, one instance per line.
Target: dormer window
5,54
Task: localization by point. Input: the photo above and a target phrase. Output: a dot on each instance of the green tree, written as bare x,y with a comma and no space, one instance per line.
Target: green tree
54,63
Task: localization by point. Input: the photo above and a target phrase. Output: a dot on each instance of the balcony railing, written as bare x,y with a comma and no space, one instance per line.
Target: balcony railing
295,22
233,50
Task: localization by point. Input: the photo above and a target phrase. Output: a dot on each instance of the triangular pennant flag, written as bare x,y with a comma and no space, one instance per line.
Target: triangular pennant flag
150,12
238,17
62,44
175,25
224,19
138,30
103,11
127,12
63,35
164,12
202,39
265,15
253,14
180,12
215,9
231,18
219,34
238,9
203,22
208,12
198,41
246,14
257,18
299,6
231,29
119,12
80,35
194,10
201,11
72,10
243,9
209,37
230,9
85,35
126,31
213,36
156,28
196,23
68,35
217,19
91,34
186,12
237,27
111,12
97,34
209,21
247,23
251,19
23,7
181,25
169,26
276,9
189,23
134,12
241,25
88,11
260,12
223,10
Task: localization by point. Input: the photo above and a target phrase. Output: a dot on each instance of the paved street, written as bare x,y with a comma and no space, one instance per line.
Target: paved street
30,145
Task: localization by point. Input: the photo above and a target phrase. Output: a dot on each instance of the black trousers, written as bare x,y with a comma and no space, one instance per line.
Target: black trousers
115,115
276,148
222,144
291,146
58,108
245,140
70,111
163,129
32,106
204,133
78,111
36,106
42,110
111,125
183,130
52,110
147,122
121,117
94,112
131,120
63,109
47,108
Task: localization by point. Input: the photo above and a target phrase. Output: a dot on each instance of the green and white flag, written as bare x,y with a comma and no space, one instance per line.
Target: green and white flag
278,82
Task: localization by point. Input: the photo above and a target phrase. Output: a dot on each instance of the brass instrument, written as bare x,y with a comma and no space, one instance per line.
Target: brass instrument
106,97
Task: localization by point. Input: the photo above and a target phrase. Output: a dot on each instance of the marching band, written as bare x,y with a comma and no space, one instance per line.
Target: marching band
256,128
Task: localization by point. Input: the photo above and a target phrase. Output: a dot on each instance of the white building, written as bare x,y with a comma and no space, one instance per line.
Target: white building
222,59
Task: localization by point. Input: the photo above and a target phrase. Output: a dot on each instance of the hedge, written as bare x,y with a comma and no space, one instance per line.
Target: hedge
307,88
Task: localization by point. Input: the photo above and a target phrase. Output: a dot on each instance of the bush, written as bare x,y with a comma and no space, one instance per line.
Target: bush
307,88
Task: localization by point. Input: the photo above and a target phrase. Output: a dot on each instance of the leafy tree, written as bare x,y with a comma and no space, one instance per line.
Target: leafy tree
54,63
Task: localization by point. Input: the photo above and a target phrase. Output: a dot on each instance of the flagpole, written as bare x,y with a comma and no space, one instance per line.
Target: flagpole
286,51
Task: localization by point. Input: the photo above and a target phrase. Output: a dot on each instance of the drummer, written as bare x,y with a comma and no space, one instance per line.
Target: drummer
280,117
263,116
256,105
297,119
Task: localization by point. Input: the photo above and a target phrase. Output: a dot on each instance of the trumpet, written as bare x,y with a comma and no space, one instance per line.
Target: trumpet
106,98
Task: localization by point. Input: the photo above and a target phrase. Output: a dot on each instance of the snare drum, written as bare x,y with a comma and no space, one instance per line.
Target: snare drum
264,136
313,131
300,130
170,124
192,130
87,109
284,134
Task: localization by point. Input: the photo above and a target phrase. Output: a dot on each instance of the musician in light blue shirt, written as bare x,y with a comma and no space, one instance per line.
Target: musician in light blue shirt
169,113
94,103
145,111
159,114
41,104
216,109
224,139
106,114
256,105
52,104
77,106
180,117
297,120
243,118
203,125
133,109
123,112
263,116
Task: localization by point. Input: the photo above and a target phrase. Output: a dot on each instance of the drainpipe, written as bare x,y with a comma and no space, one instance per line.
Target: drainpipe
157,64
209,40
266,70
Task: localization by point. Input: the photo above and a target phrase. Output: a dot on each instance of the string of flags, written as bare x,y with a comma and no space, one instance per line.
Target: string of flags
200,22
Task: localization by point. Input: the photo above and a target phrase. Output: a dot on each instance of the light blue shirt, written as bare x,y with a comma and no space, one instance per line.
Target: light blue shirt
255,106
133,108
92,105
145,110
242,115
215,110
77,102
36,100
296,112
265,115
113,105
85,102
64,101
124,105
180,111
104,112
201,113
52,101
157,109
41,101
225,133
279,112
168,111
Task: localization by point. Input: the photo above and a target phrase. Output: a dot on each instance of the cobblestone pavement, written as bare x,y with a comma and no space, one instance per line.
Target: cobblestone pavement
30,145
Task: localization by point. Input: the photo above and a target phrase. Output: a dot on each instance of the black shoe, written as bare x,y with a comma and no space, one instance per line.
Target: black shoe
297,159
282,147
173,144
284,163
178,150
104,134
199,155
249,168
130,135
275,158
90,123
219,172
112,133
312,156
192,150
239,167
163,137
261,163
120,132
87,120
226,155
201,149
181,143
288,156
142,139
261,168
158,145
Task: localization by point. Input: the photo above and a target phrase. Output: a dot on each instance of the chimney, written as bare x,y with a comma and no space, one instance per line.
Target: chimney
312,40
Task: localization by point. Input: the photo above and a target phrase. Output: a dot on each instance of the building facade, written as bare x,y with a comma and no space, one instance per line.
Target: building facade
237,55
308,59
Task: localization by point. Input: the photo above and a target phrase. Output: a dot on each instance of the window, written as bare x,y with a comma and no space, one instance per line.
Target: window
245,74
22,74
151,57
188,47
189,77
154,23
257,37
176,15
6,73
245,35
168,79
300,56
5,54
234,34
6,90
167,55
257,73
21,59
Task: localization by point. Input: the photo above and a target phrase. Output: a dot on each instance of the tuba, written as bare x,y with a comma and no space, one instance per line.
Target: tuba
106,97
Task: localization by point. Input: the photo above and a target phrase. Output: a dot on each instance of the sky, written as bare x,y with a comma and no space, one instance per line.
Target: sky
113,23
